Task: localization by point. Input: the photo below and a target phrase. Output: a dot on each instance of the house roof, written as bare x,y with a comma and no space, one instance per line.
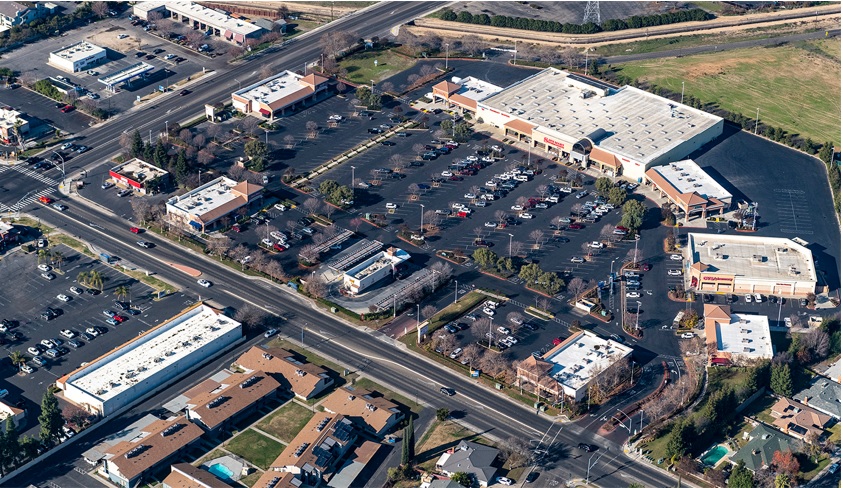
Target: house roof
158,441
238,392
722,312
533,363
472,458
790,413
823,395
363,405
185,475
299,377
313,80
764,441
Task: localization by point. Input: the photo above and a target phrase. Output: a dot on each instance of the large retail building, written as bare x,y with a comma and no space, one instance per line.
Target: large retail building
622,131
719,263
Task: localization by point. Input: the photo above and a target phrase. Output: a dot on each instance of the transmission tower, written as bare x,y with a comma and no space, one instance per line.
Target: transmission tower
592,12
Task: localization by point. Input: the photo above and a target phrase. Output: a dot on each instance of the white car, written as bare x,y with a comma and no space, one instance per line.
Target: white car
280,207
26,369
63,297
76,290
44,267
278,236
122,36
488,311
470,196
577,259
205,283
66,145
391,206
516,320
525,215
335,117
106,185
503,330
68,333
267,242
456,352
687,335
596,245
674,272
490,224
471,159
748,298
516,207
675,257
447,174
48,343
758,298
270,333
788,322
633,294
503,480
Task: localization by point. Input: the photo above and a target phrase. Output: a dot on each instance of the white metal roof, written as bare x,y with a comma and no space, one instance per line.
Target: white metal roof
206,198
759,258
204,15
273,88
576,362
78,51
746,335
687,177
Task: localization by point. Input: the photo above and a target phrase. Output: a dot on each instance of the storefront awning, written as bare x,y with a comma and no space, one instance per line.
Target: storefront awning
265,112
228,34
239,37
517,125
195,225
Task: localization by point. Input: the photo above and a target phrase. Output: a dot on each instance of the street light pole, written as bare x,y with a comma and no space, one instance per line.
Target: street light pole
757,113
611,280
418,316
683,93
510,245
446,57
421,228
167,129
456,286
589,465
304,326
394,297
637,312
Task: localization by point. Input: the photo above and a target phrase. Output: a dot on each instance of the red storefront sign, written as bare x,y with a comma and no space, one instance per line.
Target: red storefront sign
716,278
553,142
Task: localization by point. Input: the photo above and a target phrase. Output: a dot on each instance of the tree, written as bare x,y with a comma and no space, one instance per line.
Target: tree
576,287
484,257
741,476
442,414
785,462
633,215
617,196
220,246
537,235
355,223
311,205
428,311
781,381
257,152
137,146
250,316
516,450
461,478
122,291
10,445
50,419
603,185
783,480
17,358
679,439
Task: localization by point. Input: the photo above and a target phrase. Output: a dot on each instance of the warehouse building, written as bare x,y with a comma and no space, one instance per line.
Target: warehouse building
374,269
567,370
139,175
125,374
719,263
281,94
203,208
621,131
214,23
78,57
689,189
736,338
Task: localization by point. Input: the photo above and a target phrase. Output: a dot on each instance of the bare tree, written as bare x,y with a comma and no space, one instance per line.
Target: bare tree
576,208
311,127
328,210
396,160
311,205
290,141
523,201
517,248
444,271
501,216
355,223
418,148
235,171
250,316
472,353
413,188
516,451
220,246
205,157
576,287
309,253
432,218
479,329
537,236
275,270
478,232
140,209
195,37
633,256
213,131
445,342
239,253
291,225
428,311
249,125
100,9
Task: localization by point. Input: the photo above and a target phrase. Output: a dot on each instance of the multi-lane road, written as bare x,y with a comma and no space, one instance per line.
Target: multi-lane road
376,355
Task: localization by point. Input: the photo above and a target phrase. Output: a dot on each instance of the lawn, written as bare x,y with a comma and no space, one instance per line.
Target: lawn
760,409
362,68
456,310
251,479
786,83
440,437
256,448
835,433
286,422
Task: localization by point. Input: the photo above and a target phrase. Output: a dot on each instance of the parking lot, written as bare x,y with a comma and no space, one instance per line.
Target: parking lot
32,294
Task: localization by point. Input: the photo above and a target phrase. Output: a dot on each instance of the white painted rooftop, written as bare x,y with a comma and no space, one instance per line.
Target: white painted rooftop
576,362
475,89
272,89
8,117
759,258
204,15
687,177
78,51
135,168
154,351
378,262
205,198
628,121
746,335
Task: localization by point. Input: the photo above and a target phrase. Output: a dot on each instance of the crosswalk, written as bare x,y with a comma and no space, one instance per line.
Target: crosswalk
23,203
35,175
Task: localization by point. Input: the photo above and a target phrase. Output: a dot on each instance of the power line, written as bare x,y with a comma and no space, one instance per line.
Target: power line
592,12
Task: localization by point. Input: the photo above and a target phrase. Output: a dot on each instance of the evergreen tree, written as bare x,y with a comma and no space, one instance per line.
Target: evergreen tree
405,449
411,439
136,149
678,439
781,381
741,477
50,418
9,444
160,156
826,152
181,167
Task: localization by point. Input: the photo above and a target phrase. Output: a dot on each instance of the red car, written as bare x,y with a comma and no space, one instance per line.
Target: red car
644,266
119,318
279,247
236,228
455,178
557,341
134,230
68,108
576,226
45,200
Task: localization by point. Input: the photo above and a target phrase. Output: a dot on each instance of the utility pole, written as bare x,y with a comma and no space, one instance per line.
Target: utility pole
757,113
456,287
446,57
421,228
394,297
682,101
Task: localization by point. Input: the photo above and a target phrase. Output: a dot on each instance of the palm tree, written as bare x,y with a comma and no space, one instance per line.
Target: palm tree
43,254
82,278
95,279
123,291
18,359
58,258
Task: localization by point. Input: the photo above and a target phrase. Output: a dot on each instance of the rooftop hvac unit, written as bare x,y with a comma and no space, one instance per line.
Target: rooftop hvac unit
758,258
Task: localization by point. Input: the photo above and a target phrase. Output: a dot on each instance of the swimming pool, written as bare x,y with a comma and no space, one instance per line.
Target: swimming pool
713,455
221,471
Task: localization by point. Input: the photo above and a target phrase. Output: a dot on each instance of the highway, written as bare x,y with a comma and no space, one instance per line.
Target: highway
373,354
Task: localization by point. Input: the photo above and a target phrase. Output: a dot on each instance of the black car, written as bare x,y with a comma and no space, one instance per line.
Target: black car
447,391
88,337
121,305
62,350
375,130
387,143
14,335
132,311
93,291
586,447
179,60
532,477
74,343
158,51
305,221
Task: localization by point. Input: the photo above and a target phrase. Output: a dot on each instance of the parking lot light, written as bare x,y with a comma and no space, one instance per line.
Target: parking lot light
637,312
456,287
421,228
510,246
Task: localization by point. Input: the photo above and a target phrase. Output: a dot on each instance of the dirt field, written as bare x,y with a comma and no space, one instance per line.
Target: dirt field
797,87
107,38
564,12
316,8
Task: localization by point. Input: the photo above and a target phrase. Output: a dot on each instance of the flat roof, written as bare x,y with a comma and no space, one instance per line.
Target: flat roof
9,117
475,89
136,168
378,262
126,73
78,51
204,15
207,197
760,258
576,360
686,176
154,351
273,89
628,121
745,335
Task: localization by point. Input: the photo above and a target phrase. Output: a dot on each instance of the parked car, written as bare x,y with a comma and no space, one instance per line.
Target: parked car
674,272
270,333
675,257
577,259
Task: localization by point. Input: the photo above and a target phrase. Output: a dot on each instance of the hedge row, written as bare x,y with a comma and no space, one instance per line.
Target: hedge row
540,25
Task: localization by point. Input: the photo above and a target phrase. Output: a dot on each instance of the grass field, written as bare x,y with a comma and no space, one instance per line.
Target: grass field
251,479
361,67
286,422
256,448
796,87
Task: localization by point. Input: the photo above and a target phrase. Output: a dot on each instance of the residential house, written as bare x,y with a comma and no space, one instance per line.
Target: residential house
304,379
471,458
221,404
185,475
822,395
800,421
368,410
128,463
311,457
764,441
21,13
